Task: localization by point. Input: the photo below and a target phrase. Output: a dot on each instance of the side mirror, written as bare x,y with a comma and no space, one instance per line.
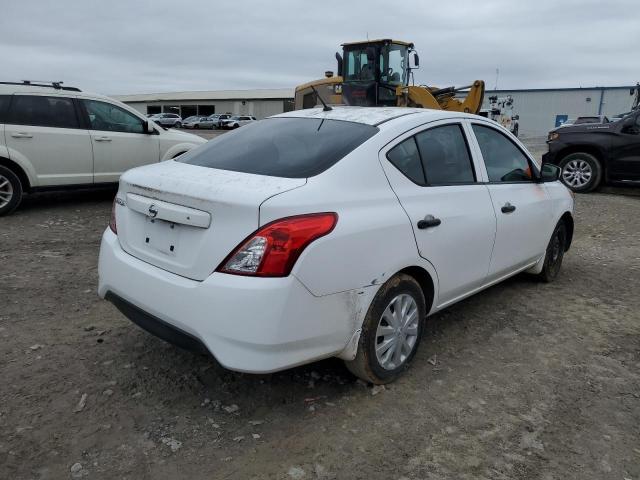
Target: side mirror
147,128
550,173
414,61
516,117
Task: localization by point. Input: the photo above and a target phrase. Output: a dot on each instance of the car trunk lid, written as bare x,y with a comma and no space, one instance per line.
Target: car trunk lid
186,219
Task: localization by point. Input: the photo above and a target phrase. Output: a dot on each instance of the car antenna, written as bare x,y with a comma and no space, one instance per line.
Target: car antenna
326,108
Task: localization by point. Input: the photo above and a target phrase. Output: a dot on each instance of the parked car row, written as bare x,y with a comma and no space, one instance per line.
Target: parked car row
216,120
57,137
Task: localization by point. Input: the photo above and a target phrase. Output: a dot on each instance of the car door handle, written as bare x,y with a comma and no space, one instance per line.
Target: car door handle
102,139
21,135
428,222
508,208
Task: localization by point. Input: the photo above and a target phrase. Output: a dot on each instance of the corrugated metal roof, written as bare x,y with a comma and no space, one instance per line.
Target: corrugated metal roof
561,89
263,94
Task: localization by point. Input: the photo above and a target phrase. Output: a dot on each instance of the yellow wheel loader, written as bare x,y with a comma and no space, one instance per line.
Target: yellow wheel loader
378,73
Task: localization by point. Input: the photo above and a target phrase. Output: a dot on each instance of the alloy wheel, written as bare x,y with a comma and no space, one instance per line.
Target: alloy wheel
397,332
577,173
6,191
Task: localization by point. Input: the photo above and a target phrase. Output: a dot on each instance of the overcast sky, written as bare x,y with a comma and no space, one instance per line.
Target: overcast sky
119,46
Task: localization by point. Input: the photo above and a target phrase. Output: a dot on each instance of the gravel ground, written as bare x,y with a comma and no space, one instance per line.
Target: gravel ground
522,381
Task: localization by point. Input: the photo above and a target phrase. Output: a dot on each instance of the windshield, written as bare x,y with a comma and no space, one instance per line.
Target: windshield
282,147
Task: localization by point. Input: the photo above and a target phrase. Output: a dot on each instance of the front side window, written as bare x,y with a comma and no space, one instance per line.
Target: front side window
43,111
406,158
445,155
108,117
282,147
504,161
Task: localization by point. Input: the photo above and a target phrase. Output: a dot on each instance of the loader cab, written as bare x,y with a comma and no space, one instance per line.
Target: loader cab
372,70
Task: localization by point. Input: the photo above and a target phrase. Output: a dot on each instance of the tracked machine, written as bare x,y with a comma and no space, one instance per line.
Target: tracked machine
380,73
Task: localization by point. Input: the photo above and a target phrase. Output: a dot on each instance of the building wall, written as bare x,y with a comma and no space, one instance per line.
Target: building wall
538,109
258,108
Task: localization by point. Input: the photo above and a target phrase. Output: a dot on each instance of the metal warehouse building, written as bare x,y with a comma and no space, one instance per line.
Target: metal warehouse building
541,110
259,103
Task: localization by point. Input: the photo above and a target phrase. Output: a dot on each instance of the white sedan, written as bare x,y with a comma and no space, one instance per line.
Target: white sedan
317,233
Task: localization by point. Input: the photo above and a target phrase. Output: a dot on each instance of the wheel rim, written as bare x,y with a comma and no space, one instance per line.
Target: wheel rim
6,191
577,173
397,332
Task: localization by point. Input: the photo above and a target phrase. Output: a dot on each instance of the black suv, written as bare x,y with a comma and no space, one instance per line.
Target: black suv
592,153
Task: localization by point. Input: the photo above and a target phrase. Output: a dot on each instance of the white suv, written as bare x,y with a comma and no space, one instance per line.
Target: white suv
238,121
54,137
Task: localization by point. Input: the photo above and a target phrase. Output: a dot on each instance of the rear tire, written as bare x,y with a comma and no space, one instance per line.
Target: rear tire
394,320
581,172
554,254
10,191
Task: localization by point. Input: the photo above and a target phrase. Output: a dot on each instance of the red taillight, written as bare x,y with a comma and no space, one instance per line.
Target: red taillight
112,221
274,249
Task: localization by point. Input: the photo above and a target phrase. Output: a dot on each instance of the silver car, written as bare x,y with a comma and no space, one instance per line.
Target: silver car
194,122
217,119
168,120
206,122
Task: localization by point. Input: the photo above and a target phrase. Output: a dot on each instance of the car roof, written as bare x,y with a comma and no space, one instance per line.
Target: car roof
9,89
369,115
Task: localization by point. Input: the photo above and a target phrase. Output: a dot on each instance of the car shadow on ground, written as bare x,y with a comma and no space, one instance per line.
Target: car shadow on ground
162,367
67,198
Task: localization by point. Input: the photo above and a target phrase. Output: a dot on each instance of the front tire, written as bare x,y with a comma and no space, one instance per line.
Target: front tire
177,125
581,172
391,331
10,191
554,254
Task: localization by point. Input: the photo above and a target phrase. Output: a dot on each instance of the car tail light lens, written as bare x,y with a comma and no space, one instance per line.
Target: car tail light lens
112,221
273,250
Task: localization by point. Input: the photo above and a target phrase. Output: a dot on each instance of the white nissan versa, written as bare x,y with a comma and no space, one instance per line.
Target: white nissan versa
329,233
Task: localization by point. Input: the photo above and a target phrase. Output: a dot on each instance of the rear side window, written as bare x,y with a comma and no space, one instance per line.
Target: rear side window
4,106
405,157
504,161
282,147
43,111
445,155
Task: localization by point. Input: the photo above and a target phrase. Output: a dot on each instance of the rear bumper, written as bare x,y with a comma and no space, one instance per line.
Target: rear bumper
256,325
155,326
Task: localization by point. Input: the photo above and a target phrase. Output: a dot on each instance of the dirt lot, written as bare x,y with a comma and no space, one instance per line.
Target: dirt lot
523,381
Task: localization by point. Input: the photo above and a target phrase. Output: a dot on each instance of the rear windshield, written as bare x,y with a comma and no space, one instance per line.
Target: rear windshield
282,147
